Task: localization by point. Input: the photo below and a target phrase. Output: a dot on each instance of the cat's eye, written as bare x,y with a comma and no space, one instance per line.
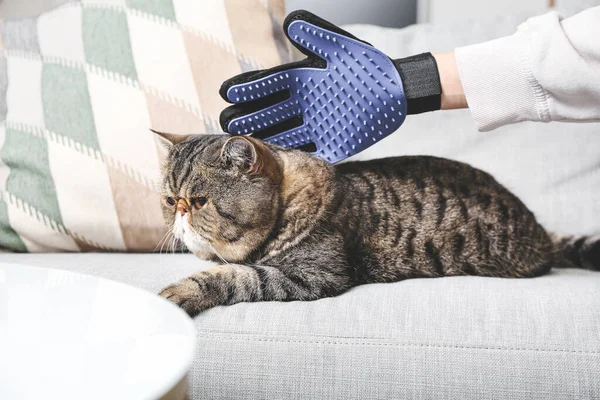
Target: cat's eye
199,202
170,201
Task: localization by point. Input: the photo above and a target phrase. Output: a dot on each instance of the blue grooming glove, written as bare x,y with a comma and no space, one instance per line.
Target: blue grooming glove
344,97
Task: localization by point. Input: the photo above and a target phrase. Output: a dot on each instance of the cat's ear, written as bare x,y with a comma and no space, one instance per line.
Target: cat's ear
168,140
251,156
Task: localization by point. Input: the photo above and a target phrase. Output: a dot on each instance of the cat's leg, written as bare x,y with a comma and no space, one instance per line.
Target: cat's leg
231,283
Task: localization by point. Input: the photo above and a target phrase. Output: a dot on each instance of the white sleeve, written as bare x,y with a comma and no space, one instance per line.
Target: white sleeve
549,70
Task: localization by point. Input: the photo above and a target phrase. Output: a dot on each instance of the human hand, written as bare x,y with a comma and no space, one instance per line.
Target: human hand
344,97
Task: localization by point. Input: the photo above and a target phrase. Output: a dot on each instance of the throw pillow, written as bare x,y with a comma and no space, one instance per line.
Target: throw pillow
81,86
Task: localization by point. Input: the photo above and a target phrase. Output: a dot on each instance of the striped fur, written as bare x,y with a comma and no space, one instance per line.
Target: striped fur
287,226
580,252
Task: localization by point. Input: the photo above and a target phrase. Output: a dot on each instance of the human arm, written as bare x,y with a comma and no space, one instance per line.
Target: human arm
453,95
549,70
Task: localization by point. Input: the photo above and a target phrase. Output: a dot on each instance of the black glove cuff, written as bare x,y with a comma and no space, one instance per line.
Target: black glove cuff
421,81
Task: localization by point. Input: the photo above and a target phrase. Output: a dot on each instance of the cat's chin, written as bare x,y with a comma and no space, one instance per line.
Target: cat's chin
198,248
204,255
194,243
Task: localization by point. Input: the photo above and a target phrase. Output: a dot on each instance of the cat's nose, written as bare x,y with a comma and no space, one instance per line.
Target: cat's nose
182,207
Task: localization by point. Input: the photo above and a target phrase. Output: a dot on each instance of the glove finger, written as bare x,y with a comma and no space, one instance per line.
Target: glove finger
255,85
264,118
302,27
239,110
292,134
241,78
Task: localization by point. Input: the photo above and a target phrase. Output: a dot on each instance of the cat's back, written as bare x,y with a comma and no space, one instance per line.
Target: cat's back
416,168
424,189
443,214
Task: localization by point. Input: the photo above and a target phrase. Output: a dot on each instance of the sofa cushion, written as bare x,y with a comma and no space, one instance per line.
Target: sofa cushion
80,86
445,338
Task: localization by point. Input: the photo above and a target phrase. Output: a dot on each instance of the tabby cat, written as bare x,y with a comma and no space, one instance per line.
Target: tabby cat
287,226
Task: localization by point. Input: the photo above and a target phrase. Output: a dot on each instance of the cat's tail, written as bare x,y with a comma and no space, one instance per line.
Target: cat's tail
581,252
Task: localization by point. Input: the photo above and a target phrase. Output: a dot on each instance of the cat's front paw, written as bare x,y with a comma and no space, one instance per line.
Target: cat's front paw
186,294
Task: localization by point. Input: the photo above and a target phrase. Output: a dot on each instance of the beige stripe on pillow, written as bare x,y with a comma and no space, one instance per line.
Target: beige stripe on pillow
248,20
138,209
165,116
212,64
85,196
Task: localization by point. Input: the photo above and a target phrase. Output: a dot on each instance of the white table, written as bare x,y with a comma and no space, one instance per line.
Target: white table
71,336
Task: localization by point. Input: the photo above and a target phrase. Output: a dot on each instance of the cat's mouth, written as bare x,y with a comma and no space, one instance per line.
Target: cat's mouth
195,243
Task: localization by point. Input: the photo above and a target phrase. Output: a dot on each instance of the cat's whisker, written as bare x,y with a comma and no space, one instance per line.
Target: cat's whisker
168,241
164,241
161,241
173,242
164,244
178,245
217,253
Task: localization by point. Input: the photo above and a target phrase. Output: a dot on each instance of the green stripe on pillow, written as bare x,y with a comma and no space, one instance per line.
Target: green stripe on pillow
9,239
30,178
162,8
67,104
106,40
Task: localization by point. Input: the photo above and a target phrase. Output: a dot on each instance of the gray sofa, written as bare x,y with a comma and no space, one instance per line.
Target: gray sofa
448,338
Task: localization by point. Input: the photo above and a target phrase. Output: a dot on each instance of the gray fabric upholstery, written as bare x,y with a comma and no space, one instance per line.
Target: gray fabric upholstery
449,338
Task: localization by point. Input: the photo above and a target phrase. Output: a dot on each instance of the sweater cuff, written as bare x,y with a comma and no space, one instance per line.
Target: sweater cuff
499,84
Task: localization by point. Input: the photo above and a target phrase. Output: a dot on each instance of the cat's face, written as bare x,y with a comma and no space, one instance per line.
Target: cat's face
220,194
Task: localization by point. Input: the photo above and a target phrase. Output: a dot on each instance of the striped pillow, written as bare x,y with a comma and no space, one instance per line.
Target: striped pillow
80,87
